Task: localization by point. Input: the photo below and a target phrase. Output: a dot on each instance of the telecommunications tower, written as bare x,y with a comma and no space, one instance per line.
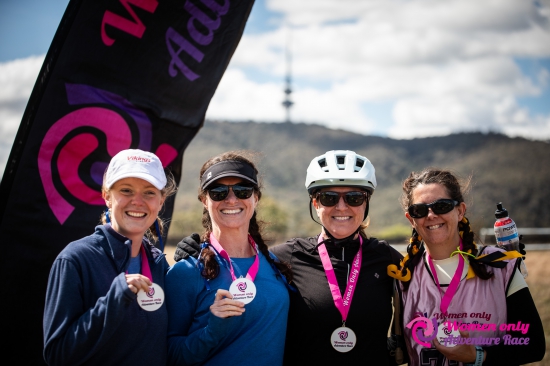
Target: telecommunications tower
287,103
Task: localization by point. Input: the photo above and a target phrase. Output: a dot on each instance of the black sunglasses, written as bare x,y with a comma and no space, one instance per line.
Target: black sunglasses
330,198
220,192
438,207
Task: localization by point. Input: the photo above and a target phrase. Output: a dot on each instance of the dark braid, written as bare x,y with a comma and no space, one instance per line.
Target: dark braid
211,268
208,256
469,246
255,229
414,254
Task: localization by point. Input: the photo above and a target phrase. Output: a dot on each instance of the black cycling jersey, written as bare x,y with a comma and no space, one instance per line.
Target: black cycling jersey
313,316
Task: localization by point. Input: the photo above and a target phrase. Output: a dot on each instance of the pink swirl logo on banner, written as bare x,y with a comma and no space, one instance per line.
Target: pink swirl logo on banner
343,335
241,286
78,127
424,330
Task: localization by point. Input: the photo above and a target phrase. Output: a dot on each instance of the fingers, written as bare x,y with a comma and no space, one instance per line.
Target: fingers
137,282
462,353
224,306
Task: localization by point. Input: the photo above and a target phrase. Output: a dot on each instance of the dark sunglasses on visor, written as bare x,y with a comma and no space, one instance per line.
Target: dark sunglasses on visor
330,198
438,207
220,192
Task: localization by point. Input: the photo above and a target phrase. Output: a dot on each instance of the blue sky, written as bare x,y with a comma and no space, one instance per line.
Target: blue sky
395,68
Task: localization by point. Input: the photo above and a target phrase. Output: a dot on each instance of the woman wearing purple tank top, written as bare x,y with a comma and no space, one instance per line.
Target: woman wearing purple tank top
455,309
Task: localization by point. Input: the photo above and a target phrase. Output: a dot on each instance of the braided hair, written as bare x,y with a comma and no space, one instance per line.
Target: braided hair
415,249
210,267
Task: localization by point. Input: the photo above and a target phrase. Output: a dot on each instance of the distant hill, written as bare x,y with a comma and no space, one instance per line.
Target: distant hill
512,170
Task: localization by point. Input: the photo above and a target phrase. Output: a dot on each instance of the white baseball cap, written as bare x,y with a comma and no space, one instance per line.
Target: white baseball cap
134,163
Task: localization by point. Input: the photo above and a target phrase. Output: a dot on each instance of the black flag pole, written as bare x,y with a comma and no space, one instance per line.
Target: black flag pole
118,75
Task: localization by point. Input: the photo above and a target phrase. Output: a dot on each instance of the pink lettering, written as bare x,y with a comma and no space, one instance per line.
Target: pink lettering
135,28
139,158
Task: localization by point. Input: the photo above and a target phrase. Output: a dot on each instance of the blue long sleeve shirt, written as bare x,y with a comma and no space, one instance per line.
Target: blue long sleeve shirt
196,337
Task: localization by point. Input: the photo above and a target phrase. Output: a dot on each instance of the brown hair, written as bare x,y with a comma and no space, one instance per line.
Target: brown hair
208,258
455,191
168,190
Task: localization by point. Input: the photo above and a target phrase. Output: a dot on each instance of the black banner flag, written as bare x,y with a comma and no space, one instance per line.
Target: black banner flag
119,74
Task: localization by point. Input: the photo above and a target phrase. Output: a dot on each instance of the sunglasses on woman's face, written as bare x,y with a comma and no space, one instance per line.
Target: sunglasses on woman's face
438,207
220,192
329,198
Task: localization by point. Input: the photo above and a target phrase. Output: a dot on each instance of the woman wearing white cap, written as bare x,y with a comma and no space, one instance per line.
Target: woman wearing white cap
105,301
230,306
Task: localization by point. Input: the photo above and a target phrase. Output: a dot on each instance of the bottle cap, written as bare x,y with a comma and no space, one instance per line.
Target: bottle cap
500,211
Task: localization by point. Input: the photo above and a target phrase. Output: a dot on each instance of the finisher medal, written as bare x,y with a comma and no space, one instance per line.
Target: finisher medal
243,290
343,339
152,299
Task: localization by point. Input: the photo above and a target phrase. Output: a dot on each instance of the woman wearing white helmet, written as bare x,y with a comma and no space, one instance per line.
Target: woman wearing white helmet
342,309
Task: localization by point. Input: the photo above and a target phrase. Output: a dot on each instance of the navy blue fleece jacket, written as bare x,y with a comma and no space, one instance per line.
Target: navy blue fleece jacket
91,317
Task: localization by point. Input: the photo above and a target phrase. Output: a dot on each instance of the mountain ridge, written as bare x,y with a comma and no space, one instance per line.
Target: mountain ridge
503,169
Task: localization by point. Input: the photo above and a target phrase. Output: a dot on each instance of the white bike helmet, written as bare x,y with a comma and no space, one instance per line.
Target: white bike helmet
340,168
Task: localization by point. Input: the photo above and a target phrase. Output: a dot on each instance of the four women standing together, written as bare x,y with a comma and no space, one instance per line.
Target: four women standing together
321,300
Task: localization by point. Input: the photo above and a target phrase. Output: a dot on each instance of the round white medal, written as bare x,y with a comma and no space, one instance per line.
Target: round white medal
343,339
243,290
152,299
445,335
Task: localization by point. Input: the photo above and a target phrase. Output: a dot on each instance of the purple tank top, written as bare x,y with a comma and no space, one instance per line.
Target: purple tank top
481,303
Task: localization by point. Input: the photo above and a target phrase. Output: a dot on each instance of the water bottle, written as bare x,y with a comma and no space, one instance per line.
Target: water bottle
506,233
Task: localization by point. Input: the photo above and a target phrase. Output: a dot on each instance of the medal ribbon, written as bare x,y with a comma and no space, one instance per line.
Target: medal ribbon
342,304
252,271
145,269
453,286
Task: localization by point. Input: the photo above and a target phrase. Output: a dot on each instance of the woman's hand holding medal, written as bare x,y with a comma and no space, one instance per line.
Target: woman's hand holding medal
138,282
224,306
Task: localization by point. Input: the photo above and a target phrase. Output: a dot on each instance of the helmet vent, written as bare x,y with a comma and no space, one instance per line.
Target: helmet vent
340,161
322,163
359,164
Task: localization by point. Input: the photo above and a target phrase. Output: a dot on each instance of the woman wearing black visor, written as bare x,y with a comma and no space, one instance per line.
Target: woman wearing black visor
230,305
342,309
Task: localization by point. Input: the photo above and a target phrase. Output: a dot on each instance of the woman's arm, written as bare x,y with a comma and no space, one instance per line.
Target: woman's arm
520,307
73,333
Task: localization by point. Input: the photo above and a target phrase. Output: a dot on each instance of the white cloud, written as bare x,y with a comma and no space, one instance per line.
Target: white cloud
441,67
17,79
444,66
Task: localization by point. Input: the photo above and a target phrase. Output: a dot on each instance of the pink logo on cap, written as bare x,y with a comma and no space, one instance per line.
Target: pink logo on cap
139,159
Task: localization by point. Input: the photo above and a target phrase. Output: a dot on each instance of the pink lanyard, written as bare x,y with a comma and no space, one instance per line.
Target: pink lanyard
145,269
252,271
344,304
453,286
